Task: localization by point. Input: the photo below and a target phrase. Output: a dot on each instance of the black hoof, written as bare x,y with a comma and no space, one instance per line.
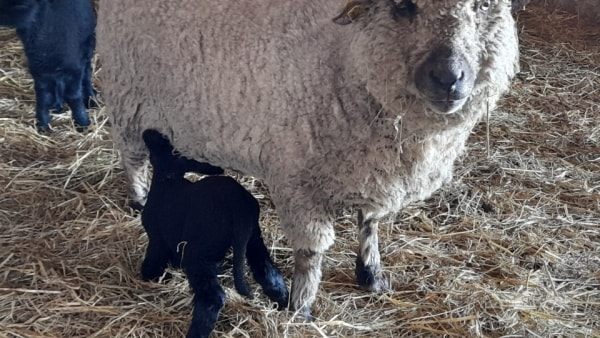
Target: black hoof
91,103
136,206
43,128
370,278
81,129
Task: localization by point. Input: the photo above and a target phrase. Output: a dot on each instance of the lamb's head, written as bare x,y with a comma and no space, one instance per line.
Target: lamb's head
434,55
17,13
167,163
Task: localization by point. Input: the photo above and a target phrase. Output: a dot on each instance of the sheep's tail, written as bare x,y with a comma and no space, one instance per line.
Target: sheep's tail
265,272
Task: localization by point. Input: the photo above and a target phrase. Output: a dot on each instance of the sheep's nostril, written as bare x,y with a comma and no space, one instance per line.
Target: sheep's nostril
445,75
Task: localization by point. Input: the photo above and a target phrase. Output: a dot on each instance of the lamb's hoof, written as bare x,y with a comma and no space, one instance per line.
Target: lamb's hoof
370,278
282,301
82,128
277,292
43,129
136,206
244,291
91,103
166,278
150,274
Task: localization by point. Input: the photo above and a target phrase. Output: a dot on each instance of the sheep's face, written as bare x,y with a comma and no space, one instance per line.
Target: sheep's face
433,54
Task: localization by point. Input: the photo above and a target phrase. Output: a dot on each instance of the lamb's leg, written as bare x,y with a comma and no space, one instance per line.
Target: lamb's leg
209,298
265,272
155,262
368,261
44,100
89,93
74,98
239,252
59,97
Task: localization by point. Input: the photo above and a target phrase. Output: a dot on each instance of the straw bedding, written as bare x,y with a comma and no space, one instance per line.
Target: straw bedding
510,248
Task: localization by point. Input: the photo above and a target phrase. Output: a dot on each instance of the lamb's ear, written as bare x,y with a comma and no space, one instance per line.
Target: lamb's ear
352,10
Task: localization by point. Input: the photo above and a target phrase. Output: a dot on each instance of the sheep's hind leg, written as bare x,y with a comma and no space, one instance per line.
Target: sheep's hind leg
368,262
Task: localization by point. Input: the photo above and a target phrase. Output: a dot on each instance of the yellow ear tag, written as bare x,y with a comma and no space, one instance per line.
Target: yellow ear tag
355,10
352,10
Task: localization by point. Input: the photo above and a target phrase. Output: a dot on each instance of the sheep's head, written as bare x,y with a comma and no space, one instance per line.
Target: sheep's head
436,54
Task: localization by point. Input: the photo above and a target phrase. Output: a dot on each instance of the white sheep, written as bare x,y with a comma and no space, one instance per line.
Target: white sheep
368,110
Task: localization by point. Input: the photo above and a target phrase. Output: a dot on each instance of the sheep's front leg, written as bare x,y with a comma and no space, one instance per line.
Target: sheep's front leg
368,261
309,242
305,284
309,227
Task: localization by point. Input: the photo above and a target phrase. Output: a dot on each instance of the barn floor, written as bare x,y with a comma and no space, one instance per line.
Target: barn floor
510,249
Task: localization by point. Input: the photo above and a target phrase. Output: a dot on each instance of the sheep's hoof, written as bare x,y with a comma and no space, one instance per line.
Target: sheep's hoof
136,206
371,278
303,315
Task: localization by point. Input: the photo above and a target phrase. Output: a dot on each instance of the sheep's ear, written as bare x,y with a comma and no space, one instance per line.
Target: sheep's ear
518,5
352,10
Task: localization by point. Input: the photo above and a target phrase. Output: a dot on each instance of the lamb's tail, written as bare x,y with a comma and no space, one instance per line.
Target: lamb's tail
161,150
265,272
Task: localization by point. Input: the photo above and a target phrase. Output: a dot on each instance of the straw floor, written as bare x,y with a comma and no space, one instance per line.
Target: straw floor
511,248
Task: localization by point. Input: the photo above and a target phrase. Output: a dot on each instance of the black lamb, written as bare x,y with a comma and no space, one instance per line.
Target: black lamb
59,39
192,226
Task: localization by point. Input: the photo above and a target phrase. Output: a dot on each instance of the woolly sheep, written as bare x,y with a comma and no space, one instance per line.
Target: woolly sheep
58,38
192,225
368,110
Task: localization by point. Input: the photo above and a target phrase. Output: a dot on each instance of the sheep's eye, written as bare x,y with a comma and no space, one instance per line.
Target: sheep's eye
485,5
404,8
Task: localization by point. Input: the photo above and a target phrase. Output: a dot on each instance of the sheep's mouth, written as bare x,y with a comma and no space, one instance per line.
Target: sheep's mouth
446,107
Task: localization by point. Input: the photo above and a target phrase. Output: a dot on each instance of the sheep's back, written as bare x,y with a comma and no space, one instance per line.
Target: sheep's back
217,81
